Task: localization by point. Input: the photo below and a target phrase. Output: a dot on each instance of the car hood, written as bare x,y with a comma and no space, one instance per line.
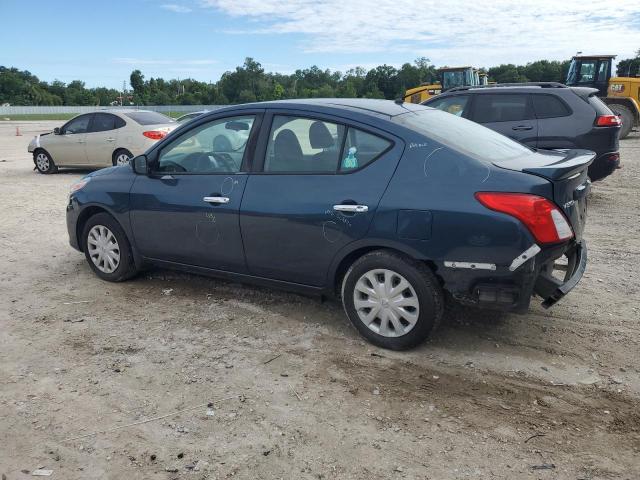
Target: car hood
108,171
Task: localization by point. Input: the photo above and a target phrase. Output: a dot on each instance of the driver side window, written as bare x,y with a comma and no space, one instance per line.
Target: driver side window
77,125
214,147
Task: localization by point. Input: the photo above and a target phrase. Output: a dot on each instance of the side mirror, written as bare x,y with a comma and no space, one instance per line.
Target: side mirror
140,165
56,131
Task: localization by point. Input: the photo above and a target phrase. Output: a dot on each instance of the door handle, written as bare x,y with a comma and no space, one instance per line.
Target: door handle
351,208
216,200
80,141
522,127
111,139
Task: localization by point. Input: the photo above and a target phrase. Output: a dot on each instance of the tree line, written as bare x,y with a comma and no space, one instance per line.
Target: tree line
249,83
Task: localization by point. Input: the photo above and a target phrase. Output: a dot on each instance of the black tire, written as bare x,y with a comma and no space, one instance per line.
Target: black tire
126,267
118,153
627,118
429,295
43,162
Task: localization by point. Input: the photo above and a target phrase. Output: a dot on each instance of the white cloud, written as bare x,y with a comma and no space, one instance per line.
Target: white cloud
453,32
173,7
164,61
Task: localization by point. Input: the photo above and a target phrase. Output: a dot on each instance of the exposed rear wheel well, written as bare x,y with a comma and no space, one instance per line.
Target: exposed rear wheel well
356,254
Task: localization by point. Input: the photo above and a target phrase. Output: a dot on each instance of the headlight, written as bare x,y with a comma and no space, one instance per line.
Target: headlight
80,184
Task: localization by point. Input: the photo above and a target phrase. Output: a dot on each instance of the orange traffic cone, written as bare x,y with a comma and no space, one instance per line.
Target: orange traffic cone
18,134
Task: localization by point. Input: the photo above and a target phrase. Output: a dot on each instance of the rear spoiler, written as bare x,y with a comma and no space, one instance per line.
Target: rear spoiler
574,162
584,92
552,164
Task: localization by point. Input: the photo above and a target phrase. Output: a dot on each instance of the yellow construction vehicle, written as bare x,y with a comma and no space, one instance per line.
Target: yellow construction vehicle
450,77
621,94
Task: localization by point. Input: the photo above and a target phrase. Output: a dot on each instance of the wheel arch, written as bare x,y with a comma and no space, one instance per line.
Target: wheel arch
625,102
118,149
345,258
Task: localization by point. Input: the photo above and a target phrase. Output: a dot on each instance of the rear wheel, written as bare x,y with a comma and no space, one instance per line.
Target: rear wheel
121,157
107,248
44,162
392,300
627,118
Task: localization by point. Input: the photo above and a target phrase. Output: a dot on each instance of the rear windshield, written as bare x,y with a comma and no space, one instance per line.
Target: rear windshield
149,118
464,136
599,106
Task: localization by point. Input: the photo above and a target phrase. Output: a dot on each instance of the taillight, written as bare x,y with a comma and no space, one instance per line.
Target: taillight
542,217
608,121
155,134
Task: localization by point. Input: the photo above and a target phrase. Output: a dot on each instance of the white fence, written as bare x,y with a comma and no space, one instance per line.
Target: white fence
18,110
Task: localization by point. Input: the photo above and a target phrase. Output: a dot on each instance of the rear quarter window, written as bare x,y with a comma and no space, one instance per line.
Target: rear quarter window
599,106
548,106
149,118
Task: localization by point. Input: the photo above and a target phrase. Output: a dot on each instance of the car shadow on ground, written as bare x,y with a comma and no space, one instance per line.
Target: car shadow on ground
459,322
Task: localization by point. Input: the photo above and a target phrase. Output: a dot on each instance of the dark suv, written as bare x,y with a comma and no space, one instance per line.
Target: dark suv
542,115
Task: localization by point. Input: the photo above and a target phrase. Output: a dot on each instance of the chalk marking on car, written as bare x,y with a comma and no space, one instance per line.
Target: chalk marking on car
426,160
471,265
227,183
530,252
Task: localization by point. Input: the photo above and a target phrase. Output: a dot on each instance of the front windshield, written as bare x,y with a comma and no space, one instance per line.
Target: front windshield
463,136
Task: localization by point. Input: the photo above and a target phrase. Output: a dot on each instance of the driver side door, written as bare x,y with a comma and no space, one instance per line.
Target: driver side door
68,148
186,210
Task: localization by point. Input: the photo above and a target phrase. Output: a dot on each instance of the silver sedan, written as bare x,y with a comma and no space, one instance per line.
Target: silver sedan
99,139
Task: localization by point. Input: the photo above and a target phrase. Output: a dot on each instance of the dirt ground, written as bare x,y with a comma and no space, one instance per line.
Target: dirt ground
112,381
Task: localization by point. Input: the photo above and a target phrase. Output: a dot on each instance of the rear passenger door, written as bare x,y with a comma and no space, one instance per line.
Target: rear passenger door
555,128
510,114
316,190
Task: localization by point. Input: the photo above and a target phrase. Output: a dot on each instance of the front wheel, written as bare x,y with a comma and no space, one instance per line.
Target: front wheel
392,300
44,162
107,248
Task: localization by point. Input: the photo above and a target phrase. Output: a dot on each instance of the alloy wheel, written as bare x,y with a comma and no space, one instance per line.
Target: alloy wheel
122,159
42,162
103,249
386,303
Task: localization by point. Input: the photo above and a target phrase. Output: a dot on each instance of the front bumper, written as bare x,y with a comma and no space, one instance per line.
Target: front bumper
73,212
552,289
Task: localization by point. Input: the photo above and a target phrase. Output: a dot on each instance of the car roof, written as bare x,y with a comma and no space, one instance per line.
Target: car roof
364,106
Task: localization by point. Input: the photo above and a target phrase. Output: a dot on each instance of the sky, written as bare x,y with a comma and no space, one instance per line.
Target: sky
101,42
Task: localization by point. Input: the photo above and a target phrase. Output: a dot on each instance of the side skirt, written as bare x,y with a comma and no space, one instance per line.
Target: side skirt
240,278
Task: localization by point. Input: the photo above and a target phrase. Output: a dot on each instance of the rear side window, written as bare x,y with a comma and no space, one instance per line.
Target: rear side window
149,118
303,145
548,106
361,148
501,108
102,122
464,136
455,105
119,122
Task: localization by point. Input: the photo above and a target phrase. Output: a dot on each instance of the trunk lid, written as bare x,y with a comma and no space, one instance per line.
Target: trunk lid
567,172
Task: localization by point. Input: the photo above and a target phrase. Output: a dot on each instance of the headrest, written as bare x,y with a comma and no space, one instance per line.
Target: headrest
319,136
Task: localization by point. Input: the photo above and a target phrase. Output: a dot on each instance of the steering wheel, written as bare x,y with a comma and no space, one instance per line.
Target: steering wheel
170,166
226,161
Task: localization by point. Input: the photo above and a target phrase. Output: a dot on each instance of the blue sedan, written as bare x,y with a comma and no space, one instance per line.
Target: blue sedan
394,208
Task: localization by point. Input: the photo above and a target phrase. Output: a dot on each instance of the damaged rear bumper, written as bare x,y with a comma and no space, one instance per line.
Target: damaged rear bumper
510,287
553,289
